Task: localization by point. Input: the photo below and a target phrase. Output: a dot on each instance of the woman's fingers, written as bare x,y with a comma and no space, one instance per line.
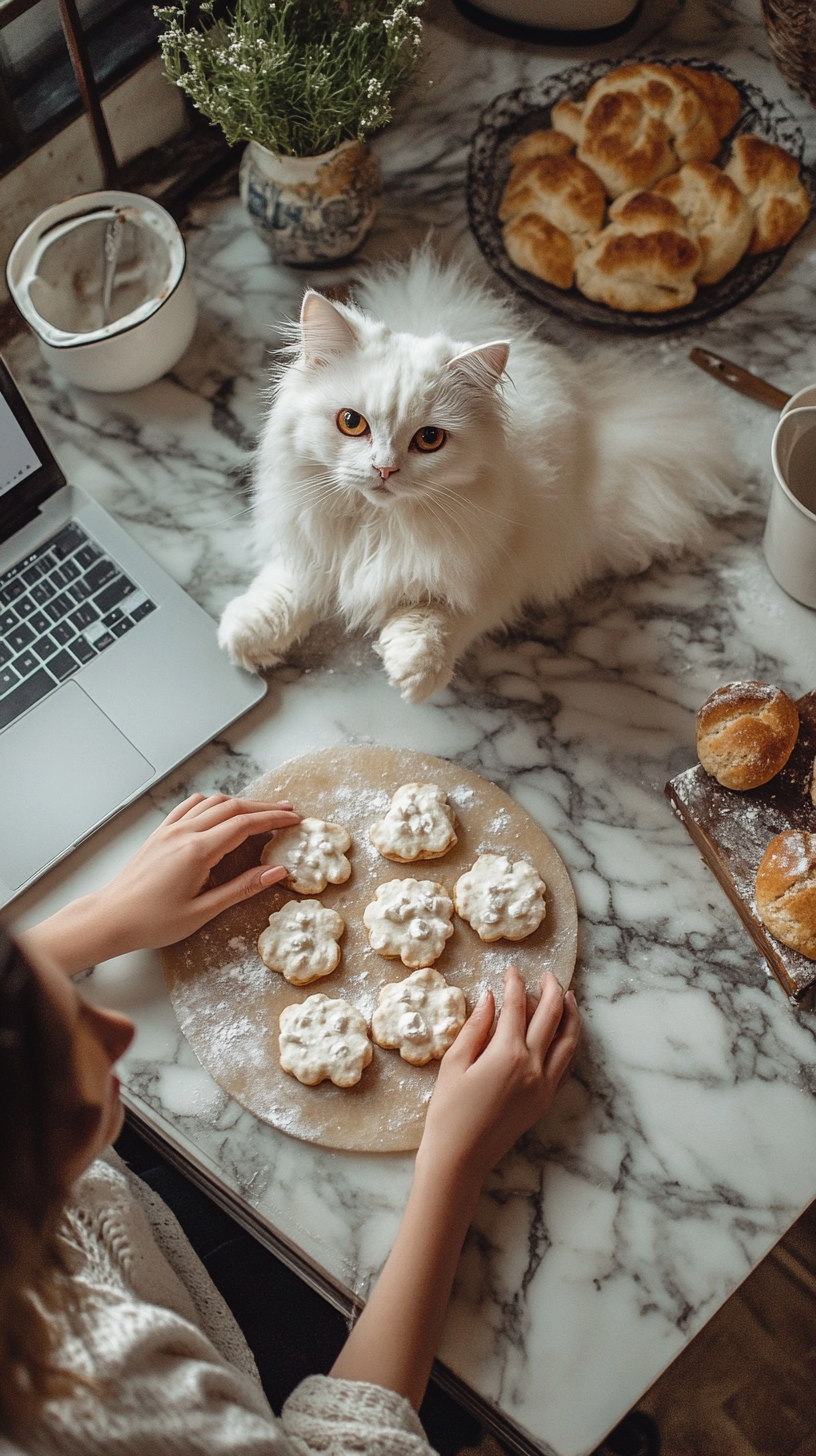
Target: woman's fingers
475,1033
559,1058
243,887
271,874
545,1020
221,838
184,808
512,1022
219,809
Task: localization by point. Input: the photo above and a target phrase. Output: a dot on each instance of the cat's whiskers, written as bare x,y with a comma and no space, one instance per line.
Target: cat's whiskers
475,506
447,501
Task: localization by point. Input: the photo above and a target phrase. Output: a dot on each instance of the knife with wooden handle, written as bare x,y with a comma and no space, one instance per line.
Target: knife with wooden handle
739,379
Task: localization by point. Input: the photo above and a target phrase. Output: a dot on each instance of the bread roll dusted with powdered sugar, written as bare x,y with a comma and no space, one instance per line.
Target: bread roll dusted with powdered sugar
786,890
745,733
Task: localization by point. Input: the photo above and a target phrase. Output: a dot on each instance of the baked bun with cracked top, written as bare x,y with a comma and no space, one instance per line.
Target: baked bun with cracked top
721,99
768,178
562,193
566,118
715,212
561,189
786,890
538,247
640,122
645,259
624,144
746,732
540,144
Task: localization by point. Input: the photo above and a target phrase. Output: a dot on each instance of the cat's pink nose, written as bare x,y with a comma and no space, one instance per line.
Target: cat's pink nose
385,470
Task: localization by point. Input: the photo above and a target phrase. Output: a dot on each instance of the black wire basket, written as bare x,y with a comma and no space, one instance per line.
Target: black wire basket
527,109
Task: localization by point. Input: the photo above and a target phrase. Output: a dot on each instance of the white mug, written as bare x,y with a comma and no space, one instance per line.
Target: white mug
790,532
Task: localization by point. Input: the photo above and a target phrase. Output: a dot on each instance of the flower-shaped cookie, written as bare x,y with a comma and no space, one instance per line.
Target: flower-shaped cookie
421,1015
501,900
311,852
321,1038
418,825
409,919
301,941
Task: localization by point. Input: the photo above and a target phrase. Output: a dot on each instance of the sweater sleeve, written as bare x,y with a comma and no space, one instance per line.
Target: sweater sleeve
351,1418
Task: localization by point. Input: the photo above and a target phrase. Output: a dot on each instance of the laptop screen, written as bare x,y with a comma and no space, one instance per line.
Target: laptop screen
28,471
17,455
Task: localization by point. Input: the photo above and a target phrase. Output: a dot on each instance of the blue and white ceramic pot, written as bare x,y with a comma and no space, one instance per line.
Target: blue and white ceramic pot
311,209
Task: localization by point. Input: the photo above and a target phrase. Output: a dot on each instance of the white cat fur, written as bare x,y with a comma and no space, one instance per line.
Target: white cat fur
551,475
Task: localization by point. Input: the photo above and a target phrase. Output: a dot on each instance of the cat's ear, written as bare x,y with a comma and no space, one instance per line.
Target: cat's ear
484,365
324,332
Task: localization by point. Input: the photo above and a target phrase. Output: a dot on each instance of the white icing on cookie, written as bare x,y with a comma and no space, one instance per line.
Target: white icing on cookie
410,919
321,1038
501,900
301,941
421,1015
418,825
311,852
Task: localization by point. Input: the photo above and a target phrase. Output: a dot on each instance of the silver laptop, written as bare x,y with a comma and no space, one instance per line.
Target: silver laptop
109,674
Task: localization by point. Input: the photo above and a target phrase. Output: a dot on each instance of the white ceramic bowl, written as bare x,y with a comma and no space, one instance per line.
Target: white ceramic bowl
55,275
560,14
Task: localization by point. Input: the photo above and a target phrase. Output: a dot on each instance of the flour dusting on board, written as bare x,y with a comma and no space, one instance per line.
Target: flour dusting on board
228,1003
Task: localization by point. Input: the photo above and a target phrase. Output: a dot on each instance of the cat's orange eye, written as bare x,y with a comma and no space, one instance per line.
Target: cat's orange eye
429,438
349,422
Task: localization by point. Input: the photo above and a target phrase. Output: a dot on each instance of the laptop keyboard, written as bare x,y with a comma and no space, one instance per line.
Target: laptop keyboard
59,609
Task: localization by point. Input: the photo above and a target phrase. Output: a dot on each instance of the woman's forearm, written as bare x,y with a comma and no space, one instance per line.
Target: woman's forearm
395,1339
77,936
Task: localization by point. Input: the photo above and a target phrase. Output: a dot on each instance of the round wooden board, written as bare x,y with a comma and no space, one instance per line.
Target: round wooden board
228,1003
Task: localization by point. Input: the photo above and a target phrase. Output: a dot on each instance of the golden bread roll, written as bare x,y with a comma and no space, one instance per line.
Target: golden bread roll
644,260
786,890
721,99
560,189
745,733
566,117
540,144
540,248
715,212
768,178
646,212
640,122
624,144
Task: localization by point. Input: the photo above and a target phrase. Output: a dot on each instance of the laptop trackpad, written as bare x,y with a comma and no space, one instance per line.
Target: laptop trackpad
63,768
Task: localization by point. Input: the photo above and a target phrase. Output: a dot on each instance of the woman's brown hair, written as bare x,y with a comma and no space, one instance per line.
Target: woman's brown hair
37,1120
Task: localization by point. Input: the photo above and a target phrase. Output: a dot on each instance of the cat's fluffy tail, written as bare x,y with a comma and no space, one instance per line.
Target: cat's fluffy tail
666,465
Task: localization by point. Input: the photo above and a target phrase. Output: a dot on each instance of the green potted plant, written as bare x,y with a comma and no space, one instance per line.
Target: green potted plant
304,82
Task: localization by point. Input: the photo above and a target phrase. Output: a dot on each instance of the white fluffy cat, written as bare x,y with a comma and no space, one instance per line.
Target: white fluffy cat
404,481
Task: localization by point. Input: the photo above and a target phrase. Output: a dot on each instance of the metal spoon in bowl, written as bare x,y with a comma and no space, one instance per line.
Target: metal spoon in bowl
111,247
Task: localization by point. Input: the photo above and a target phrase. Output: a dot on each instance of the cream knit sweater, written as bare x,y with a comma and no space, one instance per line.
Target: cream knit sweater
171,1372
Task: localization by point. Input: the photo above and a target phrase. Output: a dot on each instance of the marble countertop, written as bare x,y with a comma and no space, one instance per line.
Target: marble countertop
686,1142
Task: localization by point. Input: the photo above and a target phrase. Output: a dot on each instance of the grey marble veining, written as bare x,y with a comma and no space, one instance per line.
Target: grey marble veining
686,1142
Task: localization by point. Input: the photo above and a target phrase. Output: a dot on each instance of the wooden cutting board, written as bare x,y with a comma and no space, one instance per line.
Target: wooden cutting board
732,831
228,1003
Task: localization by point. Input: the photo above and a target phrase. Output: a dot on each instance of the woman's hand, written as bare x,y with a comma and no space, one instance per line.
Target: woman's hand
488,1092
492,1089
164,892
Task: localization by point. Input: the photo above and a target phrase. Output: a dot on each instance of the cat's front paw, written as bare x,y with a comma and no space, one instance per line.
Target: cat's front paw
417,656
255,633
